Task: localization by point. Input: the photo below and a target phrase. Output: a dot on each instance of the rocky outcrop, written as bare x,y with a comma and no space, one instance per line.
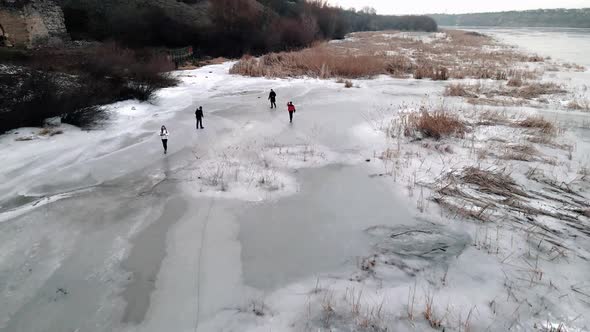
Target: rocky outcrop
53,18
32,23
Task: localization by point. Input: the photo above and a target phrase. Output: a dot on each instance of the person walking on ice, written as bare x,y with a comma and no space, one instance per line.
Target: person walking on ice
273,98
164,136
291,109
199,115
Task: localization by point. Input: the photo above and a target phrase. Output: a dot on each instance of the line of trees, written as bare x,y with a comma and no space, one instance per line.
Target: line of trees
225,27
566,18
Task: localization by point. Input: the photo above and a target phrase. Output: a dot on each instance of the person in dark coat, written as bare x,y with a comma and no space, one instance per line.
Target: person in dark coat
273,98
199,115
291,109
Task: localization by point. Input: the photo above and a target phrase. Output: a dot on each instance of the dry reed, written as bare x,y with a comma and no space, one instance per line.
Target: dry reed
451,54
434,125
539,123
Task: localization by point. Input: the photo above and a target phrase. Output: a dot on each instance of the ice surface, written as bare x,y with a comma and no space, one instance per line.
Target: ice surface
254,224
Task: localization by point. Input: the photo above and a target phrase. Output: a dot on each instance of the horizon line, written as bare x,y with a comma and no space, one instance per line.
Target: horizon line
506,11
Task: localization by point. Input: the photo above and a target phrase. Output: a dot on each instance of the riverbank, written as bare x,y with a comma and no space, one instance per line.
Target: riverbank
448,54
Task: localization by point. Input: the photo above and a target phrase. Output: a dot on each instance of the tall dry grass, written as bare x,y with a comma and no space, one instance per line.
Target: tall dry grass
317,62
458,55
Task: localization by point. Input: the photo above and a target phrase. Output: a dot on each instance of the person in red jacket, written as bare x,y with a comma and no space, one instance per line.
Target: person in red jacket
291,109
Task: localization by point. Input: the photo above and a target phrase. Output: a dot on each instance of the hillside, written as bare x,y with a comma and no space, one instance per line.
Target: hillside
224,27
567,18
136,22
119,48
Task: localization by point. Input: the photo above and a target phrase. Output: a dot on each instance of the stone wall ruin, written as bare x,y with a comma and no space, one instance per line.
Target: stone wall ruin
31,23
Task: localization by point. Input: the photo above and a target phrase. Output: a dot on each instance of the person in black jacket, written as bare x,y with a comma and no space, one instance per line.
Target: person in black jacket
273,98
199,115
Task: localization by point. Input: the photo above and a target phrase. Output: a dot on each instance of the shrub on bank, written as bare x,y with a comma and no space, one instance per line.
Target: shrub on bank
40,96
63,83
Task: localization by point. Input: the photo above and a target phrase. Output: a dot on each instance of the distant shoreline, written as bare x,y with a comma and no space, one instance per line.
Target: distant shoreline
540,18
461,27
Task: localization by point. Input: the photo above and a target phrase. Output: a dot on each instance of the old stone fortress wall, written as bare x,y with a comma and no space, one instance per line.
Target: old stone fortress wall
31,23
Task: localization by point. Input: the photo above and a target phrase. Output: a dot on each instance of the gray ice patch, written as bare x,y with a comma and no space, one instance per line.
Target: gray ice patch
413,249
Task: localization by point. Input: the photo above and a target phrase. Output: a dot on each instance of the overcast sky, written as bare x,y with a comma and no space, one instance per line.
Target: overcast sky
457,6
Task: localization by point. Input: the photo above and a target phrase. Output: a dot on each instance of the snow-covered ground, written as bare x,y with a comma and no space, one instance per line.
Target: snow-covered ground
253,224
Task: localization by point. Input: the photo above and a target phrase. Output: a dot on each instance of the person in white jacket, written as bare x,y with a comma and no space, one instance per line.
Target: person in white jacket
164,136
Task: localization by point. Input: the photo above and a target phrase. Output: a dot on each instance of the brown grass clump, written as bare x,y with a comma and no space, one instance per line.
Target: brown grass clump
495,102
520,152
49,132
45,132
574,67
400,66
435,125
499,189
441,74
579,105
535,90
430,316
490,182
515,82
515,93
492,118
539,123
535,58
517,89
422,72
540,139
434,73
248,66
460,90
468,38
23,139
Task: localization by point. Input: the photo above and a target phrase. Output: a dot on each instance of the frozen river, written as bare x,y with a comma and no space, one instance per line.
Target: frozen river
565,44
100,231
